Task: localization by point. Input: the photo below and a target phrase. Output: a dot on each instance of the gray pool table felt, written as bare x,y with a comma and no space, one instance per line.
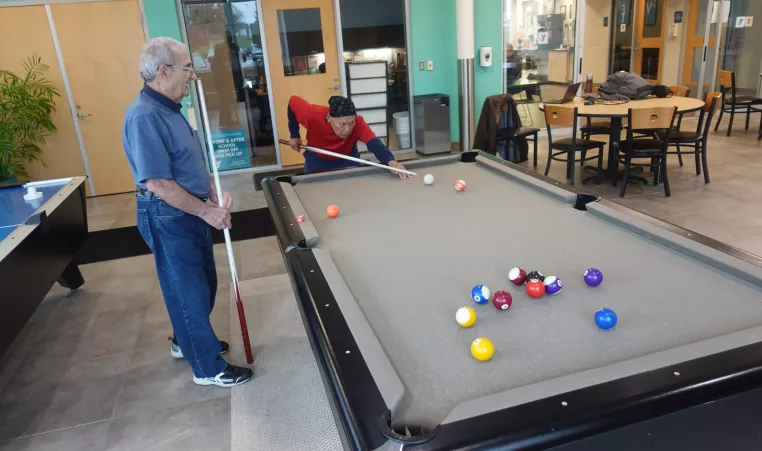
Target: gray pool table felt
410,255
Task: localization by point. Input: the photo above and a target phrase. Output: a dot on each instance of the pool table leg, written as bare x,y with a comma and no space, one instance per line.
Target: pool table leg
71,278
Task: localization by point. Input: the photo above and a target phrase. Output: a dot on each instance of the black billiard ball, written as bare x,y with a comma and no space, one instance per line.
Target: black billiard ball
536,275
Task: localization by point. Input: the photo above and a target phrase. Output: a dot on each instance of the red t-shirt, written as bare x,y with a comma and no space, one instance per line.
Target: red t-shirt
319,131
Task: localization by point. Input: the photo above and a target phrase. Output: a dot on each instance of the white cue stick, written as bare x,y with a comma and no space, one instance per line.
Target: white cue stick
347,157
228,243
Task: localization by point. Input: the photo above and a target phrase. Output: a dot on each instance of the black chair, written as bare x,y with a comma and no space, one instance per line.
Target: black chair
728,82
514,134
698,139
657,121
566,149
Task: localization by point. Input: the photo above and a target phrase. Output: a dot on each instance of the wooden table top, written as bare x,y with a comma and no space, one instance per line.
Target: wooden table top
683,104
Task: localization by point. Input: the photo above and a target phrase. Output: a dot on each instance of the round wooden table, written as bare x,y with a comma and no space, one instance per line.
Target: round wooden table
616,112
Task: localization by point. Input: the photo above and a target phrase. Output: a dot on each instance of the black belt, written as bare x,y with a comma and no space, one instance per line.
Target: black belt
150,194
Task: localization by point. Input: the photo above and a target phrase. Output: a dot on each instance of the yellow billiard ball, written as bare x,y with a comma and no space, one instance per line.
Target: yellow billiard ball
482,349
465,316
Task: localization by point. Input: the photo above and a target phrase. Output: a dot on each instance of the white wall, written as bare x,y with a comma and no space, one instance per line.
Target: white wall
672,61
597,40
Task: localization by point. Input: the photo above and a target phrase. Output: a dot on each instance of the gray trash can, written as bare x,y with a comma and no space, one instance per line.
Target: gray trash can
432,124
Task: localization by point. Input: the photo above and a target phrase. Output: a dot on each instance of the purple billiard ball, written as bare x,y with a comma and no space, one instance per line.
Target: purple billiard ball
552,285
605,318
593,277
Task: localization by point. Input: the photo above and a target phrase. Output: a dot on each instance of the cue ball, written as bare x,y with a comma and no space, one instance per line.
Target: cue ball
502,300
536,275
465,316
460,185
605,318
482,349
552,285
480,294
428,179
535,288
332,211
517,276
593,277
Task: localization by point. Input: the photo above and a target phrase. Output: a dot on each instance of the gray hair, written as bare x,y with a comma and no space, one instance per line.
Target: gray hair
156,53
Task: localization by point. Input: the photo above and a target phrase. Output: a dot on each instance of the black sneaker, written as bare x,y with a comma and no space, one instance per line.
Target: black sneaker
176,352
230,377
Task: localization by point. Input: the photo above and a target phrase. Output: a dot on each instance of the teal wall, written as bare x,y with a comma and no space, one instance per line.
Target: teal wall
162,18
488,32
433,39
433,36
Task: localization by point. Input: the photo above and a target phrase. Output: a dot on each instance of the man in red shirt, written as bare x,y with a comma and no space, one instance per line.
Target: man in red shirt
337,128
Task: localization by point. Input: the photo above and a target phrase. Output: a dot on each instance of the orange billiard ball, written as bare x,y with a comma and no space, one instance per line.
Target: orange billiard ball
332,211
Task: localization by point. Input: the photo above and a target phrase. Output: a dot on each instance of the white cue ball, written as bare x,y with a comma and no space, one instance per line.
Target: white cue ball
428,179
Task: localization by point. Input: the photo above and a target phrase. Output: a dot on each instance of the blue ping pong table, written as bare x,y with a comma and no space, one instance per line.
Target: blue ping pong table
39,239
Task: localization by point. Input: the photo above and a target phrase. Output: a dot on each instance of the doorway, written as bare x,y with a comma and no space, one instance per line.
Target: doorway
96,83
303,57
649,39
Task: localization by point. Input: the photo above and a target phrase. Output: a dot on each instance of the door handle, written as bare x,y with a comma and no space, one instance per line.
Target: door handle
82,115
335,87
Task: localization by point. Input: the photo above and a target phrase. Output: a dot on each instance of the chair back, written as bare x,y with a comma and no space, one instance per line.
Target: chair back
728,83
707,113
561,116
680,91
658,119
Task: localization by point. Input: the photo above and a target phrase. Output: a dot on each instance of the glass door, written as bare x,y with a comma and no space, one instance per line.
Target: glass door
704,27
649,41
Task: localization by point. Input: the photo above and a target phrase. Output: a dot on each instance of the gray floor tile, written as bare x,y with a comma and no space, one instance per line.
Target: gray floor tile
88,437
156,328
260,258
112,332
203,426
87,392
156,381
19,418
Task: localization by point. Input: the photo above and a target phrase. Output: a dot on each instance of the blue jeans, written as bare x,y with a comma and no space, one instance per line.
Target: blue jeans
182,248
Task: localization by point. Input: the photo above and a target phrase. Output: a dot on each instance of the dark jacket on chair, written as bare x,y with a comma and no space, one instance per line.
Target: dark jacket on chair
500,112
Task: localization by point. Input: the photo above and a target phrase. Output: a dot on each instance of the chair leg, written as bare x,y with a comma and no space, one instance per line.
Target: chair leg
550,158
748,115
719,119
600,158
664,177
627,160
569,165
704,163
582,162
679,156
655,170
732,115
535,150
572,170
698,159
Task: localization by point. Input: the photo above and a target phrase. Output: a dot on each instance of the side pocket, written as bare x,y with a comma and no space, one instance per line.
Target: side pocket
144,227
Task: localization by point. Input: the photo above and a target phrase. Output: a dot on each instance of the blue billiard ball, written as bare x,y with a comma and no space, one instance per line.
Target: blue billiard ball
552,285
480,294
605,318
593,277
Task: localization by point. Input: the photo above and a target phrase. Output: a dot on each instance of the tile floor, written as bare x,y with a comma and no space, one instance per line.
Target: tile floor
93,371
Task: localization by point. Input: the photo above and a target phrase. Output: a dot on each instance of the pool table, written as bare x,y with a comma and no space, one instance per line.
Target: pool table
39,239
378,287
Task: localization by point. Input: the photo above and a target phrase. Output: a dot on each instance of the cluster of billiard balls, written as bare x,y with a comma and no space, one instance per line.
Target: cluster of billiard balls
536,286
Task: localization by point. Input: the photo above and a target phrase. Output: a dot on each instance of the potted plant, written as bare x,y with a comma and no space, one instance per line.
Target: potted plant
26,104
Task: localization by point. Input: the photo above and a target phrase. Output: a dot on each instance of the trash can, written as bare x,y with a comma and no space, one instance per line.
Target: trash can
402,128
432,124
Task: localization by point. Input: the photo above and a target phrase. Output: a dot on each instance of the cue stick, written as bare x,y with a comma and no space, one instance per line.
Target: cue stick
228,243
347,157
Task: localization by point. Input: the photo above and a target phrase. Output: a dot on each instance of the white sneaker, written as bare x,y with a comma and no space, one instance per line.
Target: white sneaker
176,352
230,377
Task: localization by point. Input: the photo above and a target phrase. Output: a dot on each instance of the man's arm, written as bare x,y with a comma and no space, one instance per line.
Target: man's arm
298,113
377,147
173,194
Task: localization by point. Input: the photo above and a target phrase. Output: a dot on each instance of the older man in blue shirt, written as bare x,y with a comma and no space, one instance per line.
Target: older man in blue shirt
176,204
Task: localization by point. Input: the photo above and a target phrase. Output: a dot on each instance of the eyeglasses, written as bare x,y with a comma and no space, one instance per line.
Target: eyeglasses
189,69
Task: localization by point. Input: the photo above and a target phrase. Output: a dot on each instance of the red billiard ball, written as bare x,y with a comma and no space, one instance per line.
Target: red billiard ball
535,288
502,300
517,276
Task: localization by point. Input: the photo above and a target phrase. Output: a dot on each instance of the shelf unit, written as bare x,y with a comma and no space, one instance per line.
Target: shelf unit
368,88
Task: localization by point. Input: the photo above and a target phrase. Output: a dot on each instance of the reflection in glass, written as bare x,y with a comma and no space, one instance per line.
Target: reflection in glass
226,49
301,40
538,58
650,67
374,31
